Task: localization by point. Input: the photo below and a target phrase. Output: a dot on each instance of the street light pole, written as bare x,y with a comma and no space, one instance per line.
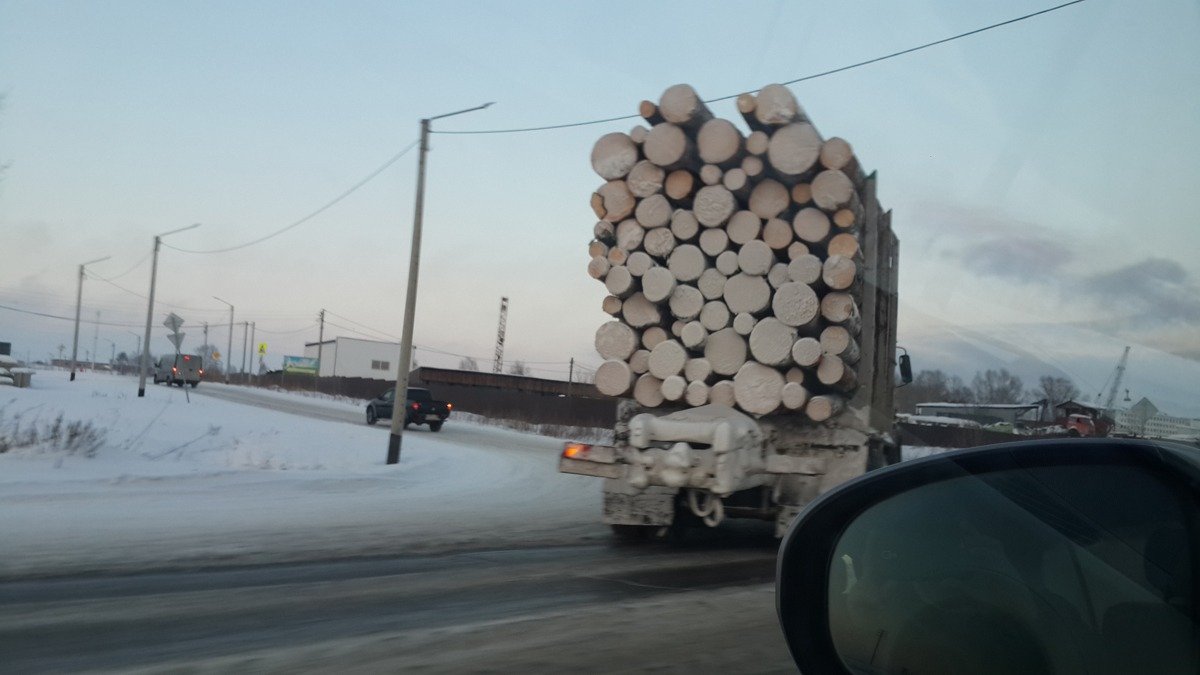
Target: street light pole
228,352
139,344
145,361
400,401
78,306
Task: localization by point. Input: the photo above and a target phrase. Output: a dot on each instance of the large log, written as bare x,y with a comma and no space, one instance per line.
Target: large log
753,166
649,112
684,225
659,242
647,391
839,272
639,262
777,232
619,282
793,151
844,244
743,324
757,143
640,312
714,315
840,308
605,231
758,389
832,190
639,363
811,225
617,256
837,155
616,341
796,305
722,393
611,305
667,358
720,143
727,263
697,370
725,351
712,283
613,378
776,106
613,201
746,293
680,104
694,335
805,269
653,336
598,267
743,226
653,211
686,302
614,155
837,341
696,394
645,179
630,235
680,186
771,342
778,275
769,199
657,284
711,174
835,374
755,257
687,262
713,241
822,408
597,248
673,387
806,352
668,146
713,205
794,396
736,181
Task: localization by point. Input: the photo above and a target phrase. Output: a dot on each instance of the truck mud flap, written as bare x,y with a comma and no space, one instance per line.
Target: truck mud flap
653,506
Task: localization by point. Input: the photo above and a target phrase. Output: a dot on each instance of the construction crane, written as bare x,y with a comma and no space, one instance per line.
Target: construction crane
1116,377
498,366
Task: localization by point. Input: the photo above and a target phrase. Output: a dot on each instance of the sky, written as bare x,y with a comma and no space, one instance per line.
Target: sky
1040,174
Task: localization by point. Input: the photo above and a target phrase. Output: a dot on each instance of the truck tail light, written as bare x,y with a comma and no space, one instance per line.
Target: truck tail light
449,406
576,451
174,369
201,371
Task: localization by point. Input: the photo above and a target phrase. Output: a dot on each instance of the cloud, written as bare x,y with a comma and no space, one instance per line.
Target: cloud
1023,257
1159,288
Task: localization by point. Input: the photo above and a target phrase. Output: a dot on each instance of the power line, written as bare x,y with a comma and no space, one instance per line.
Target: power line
789,82
371,176
70,318
288,332
362,325
132,268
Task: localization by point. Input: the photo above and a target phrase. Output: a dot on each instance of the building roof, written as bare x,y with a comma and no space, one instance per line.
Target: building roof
984,406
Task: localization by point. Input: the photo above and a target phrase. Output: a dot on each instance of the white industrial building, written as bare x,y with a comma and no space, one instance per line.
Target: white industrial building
355,357
1145,419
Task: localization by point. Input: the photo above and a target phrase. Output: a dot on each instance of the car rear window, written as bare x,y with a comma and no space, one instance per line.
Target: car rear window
419,395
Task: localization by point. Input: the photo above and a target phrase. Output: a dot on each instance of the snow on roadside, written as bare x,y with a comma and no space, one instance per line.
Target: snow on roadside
201,481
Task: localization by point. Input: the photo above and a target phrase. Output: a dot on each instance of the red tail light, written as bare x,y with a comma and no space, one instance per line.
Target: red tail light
186,359
576,450
174,369
416,406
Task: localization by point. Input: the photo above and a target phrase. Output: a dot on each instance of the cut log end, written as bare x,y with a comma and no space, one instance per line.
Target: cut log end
725,351
614,155
615,340
758,389
825,407
673,387
614,378
647,391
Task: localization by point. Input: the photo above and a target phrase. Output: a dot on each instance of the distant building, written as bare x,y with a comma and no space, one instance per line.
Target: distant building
355,357
1145,419
983,413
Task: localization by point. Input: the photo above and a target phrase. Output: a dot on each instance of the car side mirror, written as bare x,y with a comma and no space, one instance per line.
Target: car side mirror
906,376
1043,556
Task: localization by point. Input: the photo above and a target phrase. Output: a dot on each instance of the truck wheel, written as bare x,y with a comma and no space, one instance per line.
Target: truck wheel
371,417
1073,433
194,384
435,426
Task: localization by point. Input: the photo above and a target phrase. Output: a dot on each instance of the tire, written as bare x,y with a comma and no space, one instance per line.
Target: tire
1073,433
435,426
194,384
372,418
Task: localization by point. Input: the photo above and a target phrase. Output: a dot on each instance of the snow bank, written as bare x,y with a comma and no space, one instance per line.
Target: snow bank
204,481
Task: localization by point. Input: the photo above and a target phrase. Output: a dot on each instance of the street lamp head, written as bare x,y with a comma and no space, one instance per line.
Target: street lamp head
90,262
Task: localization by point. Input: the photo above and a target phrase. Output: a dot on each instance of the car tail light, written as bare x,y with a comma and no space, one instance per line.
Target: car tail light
174,369
186,359
416,406
576,451
201,371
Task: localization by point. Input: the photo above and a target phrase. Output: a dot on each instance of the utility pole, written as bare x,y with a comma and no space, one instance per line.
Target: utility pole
95,339
206,336
245,327
78,305
139,344
570,376
498,365
228,352
410,302
145,365
253,370
320,341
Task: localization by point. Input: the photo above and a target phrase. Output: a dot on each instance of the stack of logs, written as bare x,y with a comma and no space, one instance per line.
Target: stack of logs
732,261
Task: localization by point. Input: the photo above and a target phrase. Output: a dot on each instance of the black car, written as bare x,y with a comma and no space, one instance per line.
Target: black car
420,408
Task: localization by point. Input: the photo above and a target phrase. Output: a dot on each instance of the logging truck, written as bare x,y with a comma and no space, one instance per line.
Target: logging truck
751,278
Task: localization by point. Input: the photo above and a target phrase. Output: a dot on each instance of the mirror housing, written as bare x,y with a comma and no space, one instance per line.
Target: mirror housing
906,374
948,563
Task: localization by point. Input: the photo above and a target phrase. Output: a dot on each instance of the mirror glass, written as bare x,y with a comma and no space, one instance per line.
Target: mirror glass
1059,569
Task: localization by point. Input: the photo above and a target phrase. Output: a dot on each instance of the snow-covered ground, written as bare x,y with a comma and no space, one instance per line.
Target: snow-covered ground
172,481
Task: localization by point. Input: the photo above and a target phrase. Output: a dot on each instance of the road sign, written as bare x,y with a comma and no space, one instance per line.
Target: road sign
176,339
262,349
216,356
173,321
